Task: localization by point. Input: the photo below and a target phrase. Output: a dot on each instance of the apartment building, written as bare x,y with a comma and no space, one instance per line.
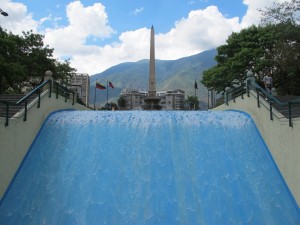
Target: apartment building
169,100
80,82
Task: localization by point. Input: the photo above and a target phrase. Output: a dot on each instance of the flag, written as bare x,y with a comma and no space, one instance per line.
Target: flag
100,86
196,86
110,84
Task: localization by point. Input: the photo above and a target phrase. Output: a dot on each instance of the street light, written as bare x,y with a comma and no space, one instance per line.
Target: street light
3,13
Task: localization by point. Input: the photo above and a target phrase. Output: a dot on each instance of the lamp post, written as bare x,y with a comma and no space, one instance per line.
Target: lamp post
210,97
3,13
48,76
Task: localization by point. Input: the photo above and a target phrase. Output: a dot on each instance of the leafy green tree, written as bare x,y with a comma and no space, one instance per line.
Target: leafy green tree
38,58
273,48
121,102
244,51
193,102
110,106
285,55
114,106
12,69
25,59
63,71
285,59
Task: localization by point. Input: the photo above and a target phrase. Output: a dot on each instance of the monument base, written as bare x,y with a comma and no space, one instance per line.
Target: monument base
152,104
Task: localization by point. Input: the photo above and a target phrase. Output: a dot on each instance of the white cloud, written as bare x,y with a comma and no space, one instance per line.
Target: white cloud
70,41
45,19
19,19
83,23
137,11
132,46
91,20
201,30
252,15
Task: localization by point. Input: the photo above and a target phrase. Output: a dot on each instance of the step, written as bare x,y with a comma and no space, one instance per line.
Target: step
12,108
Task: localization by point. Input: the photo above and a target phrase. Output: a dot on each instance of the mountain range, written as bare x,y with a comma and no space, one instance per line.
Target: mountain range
170,75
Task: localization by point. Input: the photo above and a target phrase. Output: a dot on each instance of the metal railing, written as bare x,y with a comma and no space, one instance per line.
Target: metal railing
234,93
58,90
64,91
291,108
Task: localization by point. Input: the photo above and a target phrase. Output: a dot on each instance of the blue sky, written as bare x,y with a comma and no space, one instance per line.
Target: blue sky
96,35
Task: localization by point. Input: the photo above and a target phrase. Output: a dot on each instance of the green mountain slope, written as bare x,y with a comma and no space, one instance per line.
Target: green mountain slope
170,75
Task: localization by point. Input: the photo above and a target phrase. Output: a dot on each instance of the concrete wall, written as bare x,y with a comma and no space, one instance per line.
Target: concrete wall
16,138
283,141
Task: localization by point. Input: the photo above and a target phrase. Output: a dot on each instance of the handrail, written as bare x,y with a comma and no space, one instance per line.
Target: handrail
34,91
271,99
37,89
236,92
255,86
66,92
262,93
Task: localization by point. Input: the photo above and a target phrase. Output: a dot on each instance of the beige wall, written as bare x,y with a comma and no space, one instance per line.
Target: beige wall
16,138
283,141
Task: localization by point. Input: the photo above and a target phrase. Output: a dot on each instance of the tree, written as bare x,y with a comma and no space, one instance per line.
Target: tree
110,106
193,102
285,59
63,71
25,59
121,102
244,51
285,12
273,48
12,69
37,57
114,106
285,56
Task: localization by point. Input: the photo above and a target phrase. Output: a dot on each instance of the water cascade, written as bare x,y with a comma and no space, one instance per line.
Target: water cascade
148,167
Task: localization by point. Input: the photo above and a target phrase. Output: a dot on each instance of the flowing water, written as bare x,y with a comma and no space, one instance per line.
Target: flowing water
148,167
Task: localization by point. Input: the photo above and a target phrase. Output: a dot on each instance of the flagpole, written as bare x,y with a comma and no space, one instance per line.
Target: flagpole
195,96
107,91
195,87
95,96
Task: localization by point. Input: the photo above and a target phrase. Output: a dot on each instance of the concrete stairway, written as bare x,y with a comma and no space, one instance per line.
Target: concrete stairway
14,98
284,110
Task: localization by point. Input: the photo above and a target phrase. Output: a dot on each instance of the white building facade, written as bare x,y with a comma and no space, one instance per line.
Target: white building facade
169,100
80,82
172,100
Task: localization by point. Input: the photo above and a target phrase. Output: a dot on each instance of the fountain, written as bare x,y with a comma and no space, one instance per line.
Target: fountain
148,167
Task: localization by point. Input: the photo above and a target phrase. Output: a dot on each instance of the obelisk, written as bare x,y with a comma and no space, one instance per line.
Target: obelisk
152,83
151,101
